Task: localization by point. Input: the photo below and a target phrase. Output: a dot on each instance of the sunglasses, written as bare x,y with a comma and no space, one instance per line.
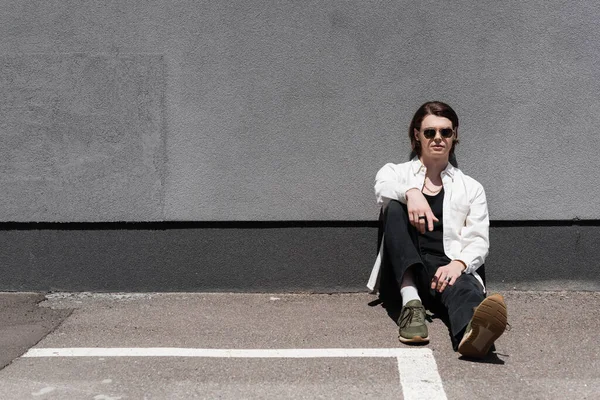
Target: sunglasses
446,133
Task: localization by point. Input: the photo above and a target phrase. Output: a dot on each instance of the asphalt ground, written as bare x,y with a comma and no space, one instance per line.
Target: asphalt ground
550,352
23,323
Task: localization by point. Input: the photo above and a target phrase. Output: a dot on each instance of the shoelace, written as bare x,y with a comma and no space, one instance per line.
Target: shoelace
408,314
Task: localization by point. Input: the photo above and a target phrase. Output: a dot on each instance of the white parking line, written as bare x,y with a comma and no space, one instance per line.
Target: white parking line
419,376
418,371
218,353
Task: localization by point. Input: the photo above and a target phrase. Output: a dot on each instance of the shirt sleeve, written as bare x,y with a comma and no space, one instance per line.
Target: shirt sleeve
475,234
392,183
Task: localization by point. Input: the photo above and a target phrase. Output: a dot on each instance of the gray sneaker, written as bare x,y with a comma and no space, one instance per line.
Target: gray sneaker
412,323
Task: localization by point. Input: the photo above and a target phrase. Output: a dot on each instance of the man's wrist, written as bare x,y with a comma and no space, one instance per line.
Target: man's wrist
411,190
462,263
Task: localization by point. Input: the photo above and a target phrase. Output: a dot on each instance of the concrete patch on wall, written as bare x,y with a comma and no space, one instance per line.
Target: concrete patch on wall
82,137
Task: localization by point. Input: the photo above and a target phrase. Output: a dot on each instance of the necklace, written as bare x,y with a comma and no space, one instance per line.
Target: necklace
432,191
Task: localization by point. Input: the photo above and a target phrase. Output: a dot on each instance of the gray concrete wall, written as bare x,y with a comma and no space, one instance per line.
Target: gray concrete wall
284,110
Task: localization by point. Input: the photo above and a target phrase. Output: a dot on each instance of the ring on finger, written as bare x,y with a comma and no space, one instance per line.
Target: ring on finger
421,217
448,279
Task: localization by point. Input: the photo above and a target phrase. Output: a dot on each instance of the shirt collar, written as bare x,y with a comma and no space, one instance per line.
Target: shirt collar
417,167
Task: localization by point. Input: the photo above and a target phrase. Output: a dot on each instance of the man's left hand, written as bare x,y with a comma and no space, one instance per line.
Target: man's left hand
446,275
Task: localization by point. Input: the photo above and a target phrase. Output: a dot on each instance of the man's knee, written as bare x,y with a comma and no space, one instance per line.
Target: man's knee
395,210
466,284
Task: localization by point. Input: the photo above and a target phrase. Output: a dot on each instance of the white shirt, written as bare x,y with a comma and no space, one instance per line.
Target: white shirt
465,212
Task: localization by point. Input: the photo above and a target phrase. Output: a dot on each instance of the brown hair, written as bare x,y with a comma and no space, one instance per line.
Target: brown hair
436,108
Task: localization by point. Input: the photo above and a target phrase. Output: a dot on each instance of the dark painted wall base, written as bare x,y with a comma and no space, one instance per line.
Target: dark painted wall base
267,257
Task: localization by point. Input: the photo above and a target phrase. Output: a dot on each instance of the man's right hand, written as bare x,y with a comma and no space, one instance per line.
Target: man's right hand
417,207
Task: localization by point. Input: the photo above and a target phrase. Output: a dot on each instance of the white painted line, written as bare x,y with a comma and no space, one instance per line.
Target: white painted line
218,353
418,371
419,377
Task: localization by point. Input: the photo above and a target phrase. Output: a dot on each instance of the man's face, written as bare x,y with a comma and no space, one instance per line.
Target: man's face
436,136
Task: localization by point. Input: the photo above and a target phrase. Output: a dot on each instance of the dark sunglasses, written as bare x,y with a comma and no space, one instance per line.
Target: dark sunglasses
446,133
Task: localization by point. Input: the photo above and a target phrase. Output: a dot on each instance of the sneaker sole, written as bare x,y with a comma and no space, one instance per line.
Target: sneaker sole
415,339
488,324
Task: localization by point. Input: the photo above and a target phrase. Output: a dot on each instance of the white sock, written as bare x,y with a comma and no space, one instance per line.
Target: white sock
409,293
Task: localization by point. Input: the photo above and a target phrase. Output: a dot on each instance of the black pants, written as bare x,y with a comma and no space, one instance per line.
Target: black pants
401,251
